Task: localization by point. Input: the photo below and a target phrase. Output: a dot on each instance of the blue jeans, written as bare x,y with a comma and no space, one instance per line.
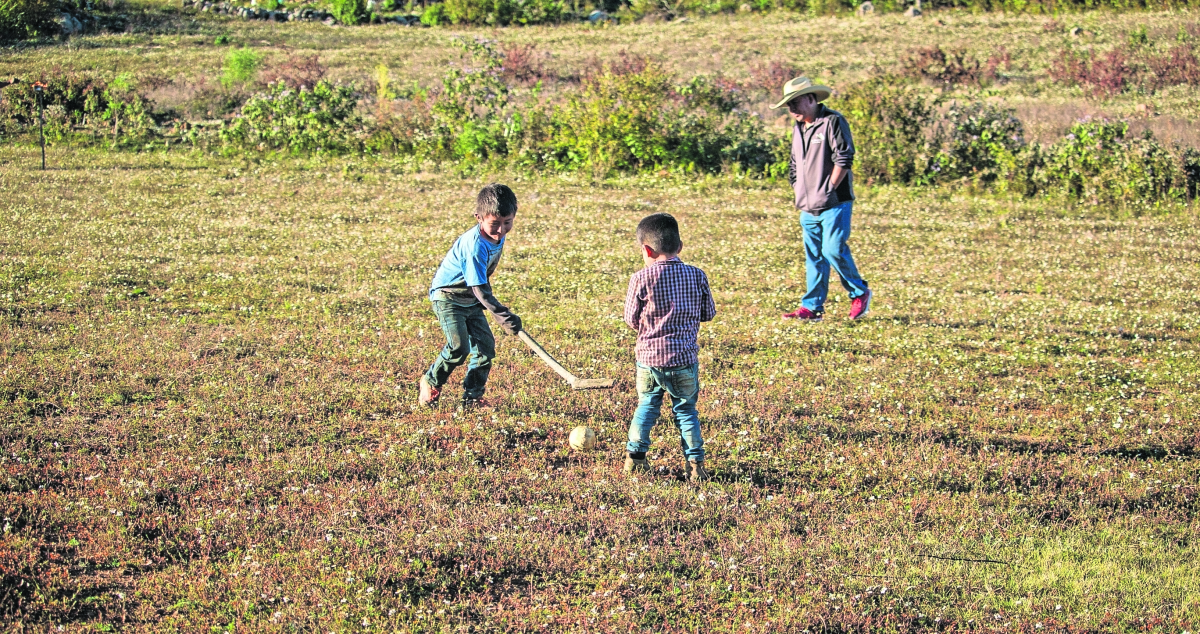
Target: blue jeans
825,236
682,383
468,337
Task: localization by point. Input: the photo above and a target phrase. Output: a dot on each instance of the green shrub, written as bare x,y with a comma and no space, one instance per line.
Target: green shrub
888,119
77,102
979,142
433,14
492,12
241,65
349,12
615,121
540,11
626,120
321,120
1096,164
20,19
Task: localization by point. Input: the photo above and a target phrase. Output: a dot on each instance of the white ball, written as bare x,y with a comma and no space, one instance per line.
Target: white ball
582,439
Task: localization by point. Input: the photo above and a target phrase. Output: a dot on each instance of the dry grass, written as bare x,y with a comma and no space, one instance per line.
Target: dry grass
210,418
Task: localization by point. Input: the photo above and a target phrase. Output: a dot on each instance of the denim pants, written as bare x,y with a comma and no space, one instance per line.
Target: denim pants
825,236
682,384
468,336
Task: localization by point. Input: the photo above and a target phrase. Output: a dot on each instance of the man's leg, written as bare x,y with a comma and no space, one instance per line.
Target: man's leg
835,225
458,343
816,267
483,350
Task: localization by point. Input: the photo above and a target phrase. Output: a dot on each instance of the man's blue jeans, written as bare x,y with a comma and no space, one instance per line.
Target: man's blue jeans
825,236
468,336
682,384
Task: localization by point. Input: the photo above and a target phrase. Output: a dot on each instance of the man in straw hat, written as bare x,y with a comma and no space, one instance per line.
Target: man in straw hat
819,170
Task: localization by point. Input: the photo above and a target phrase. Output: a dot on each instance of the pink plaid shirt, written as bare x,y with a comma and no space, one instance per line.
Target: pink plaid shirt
665,304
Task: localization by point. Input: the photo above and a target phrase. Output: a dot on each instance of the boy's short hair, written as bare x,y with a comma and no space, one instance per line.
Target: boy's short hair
661,233
496,200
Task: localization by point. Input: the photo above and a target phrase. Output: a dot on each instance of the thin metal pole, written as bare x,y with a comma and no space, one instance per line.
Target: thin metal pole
42,127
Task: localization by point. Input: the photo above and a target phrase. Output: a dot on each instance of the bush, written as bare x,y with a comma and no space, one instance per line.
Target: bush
1104,75
241,66
20,19
1124,68
540,11
1096,164
522,64
626,121
320,120
349,12
980,142
939,66
888,119
614,122
296,72
75,101
433,14
503,12
772,76
492,12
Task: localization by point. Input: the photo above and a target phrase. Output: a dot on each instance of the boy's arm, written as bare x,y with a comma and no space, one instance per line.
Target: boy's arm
633,303
509,321
708,309
475,273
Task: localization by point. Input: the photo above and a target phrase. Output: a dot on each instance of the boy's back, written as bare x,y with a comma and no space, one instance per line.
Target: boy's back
665,304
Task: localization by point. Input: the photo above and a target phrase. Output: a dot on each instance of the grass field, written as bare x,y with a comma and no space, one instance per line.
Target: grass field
208,404
210,412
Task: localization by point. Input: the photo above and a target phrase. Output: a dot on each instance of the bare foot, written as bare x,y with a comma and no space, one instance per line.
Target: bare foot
429,394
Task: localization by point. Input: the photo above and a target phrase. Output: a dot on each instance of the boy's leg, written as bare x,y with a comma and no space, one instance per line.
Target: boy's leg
816,267
650,397
483,350
683,384
836,251
458,343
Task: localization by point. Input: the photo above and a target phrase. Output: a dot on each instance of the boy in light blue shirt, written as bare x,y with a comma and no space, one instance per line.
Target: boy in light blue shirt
461,291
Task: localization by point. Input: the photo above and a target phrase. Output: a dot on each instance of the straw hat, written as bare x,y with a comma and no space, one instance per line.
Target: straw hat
803,86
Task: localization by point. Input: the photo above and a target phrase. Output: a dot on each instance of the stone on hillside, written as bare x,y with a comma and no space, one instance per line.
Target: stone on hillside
745,8
69,25
913,12
865,9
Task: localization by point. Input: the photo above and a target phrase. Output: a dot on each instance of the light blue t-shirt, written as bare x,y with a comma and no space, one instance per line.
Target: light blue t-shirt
470,262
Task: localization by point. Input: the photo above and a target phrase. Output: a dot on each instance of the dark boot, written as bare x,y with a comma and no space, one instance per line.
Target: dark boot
636,463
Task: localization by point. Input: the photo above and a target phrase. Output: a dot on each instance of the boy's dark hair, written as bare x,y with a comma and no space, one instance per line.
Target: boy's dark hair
661,233
496,200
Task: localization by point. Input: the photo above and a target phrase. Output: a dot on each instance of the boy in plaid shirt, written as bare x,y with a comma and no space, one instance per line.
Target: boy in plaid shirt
665,304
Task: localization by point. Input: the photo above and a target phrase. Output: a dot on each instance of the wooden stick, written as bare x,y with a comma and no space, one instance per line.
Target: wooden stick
574,381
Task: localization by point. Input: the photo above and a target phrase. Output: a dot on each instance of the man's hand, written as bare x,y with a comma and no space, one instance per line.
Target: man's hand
839,174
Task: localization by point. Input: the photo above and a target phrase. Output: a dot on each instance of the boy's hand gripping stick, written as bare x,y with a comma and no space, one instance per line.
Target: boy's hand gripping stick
575,382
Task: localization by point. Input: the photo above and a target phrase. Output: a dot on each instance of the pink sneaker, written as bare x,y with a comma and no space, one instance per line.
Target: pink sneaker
803,314
860,306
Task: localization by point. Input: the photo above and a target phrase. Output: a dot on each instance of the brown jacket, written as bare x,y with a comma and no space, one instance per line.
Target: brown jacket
816,148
